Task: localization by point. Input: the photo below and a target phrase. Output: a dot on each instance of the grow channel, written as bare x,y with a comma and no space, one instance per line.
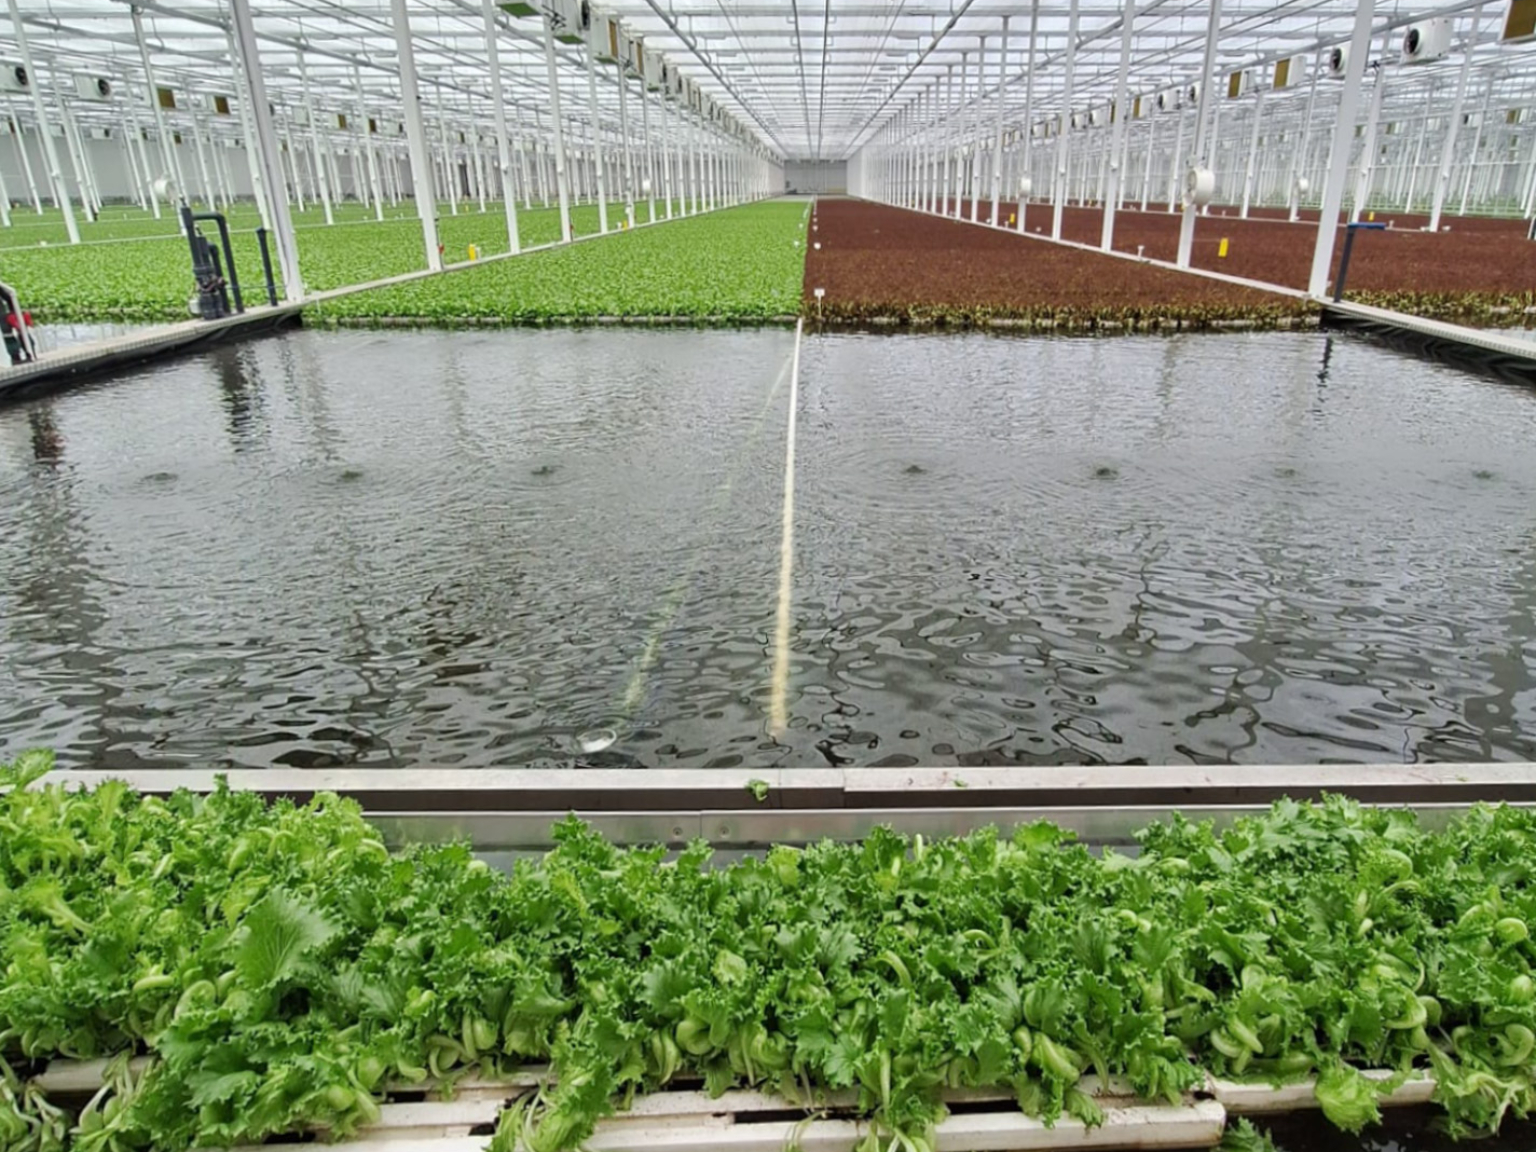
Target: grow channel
240,972
481,548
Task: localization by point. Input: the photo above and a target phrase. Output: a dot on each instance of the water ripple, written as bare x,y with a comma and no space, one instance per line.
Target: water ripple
473,548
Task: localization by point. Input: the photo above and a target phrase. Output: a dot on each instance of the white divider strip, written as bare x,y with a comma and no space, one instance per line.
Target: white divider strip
778,717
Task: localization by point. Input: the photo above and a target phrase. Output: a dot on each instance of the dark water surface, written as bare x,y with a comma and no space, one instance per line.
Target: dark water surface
470,548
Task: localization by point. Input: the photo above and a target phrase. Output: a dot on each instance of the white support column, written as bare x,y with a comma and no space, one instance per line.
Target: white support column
5,200
367,144
1343,140
76,151
1253,153
264,143
944,144
247,134
1117,131
1367,167
997,131
1146,171
1026,169
1298,155
522,144
1477,143
146,170
134,173
499,118
332,164
666,154
1418,149
629,162
1212,142
222,175
50,153
167,142
26,161
479,164
694,156
1198,153
416,135
973,169
561,181
293,162
597,142
1178,156
1063,154
650,153
450,156
1448,143
322,177
202,163
87,168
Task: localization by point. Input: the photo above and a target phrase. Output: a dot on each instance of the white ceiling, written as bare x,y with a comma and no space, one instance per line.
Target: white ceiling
814,79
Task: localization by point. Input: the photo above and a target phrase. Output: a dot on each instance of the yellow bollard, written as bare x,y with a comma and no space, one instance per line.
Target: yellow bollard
474,253
1370,216
1221,251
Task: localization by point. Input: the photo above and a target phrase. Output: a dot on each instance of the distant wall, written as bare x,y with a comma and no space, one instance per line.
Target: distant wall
114,178
857,185
821,176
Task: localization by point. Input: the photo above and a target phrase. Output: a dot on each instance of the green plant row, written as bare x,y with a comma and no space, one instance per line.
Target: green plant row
150,279
281,967
745,263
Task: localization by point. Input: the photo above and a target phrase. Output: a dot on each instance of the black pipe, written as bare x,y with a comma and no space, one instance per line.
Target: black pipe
266,266
185,212
229,256
1349,247
218,272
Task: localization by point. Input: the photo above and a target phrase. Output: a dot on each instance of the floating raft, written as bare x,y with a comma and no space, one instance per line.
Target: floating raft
460,1117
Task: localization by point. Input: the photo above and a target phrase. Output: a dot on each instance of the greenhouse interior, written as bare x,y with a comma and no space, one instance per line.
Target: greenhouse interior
748,576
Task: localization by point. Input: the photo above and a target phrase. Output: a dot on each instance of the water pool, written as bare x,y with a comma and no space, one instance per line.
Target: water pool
471,549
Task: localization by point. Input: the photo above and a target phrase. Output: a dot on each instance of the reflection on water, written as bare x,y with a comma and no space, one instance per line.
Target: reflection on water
561,547
1190,549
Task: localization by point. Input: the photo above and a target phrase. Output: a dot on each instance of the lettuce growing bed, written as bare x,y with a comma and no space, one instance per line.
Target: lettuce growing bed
141,270
281,971
741,264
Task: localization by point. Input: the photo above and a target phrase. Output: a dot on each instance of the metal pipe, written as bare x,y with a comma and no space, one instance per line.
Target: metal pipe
1117,130
629,169
248,134
167,146
50,153
416,137
1343,138
266,266
1253,153
597,144
366,127
73,147
265,141
1198,153
1368,144
1063,155
650,152
499,120
1448,144
26,160
561,180
322,177
202,164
